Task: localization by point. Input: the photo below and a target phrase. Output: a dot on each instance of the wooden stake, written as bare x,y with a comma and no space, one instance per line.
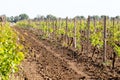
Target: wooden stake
75,33
59,23
104,40
66,30
94,23
88,33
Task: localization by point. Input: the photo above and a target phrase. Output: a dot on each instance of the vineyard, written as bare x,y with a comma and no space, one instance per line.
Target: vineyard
11,53
61,49
71,33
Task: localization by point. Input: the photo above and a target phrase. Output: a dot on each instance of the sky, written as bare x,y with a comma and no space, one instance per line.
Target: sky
60,8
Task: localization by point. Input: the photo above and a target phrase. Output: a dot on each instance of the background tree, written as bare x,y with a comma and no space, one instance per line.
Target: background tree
23,16
39,17
96,17
117,17
16,18
11,19
79,17
51,17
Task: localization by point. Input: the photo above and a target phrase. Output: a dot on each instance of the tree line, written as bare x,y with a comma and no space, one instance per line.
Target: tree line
18,18
52,17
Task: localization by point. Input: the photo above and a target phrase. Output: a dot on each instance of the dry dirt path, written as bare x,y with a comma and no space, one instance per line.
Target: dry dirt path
45,63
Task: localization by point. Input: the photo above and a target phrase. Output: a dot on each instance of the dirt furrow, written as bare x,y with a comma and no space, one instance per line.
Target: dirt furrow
71,64
48,64
49,60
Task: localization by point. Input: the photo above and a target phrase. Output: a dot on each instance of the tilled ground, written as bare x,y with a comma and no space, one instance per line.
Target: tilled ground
48,60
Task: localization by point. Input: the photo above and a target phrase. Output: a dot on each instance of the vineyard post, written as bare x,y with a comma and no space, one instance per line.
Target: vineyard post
74,32
53,26
81,33
113,25
104,40
49,28
114,54
56,22
66,30
46,32
59,23
94,23
88,33
56,28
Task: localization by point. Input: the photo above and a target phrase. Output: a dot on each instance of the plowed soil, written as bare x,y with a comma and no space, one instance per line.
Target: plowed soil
48,60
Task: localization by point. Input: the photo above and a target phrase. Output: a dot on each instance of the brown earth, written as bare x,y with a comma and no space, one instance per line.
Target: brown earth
48,60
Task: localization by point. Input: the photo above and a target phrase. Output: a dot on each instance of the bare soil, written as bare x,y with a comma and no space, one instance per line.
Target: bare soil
48,60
